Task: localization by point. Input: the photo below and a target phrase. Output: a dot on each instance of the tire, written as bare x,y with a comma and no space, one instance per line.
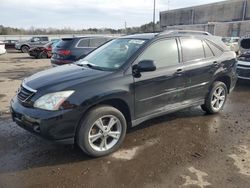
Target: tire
43,55
89,127
25,49
216,98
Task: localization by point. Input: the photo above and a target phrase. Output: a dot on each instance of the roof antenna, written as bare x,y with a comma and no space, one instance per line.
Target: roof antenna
154,18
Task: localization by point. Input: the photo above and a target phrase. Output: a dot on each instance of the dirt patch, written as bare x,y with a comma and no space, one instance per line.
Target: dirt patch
14,67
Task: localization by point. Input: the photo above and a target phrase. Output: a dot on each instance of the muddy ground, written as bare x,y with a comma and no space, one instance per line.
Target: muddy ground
183,149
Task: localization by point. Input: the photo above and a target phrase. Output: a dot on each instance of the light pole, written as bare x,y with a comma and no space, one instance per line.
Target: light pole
154,18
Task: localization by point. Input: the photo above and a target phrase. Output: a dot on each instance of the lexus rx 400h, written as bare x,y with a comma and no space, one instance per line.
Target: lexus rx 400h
123,83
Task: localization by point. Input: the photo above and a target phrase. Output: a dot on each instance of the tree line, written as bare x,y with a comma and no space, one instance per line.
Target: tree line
50,31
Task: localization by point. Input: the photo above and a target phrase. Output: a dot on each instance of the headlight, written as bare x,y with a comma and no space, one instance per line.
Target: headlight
52,101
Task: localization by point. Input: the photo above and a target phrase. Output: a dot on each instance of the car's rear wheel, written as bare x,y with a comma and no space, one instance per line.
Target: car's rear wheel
102,131
25,49
43,55
216,98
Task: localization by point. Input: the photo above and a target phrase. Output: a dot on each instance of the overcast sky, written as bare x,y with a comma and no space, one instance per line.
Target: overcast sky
79,14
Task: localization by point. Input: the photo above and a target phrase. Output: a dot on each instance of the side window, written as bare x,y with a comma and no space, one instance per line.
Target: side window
83,43
192,49
216,50
36,39
44,38
208,52
96,42
164,53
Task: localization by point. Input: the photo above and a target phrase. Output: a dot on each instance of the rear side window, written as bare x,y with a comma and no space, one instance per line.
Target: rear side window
163,53
83,43
44,38
192,49
215,49
208,52
96,42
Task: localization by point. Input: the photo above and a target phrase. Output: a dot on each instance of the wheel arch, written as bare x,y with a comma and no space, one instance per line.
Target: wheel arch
117,103
226,80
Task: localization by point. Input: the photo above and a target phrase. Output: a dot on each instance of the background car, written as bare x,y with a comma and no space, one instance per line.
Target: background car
10,44
2,48
243,65
24,46
44,51
232,42
69,50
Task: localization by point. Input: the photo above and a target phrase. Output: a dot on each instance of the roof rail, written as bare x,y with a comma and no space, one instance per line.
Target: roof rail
192,32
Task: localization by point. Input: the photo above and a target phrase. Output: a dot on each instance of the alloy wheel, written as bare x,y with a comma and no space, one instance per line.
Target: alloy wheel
105,133
218,98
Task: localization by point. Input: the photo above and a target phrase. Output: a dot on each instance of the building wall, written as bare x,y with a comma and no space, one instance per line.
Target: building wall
222,18
233,29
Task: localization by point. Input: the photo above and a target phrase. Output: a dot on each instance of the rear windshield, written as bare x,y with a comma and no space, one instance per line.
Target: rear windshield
64,43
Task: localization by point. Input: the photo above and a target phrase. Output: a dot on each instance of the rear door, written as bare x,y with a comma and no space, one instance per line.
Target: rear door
160,90
81,48
199,63
35,42
44,40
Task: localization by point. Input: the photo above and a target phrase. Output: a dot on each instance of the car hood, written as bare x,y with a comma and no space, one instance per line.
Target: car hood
62,76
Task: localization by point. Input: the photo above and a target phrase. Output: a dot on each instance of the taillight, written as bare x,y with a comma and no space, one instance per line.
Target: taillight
64,52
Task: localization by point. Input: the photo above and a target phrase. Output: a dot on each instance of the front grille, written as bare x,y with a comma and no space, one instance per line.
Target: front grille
24,94
243,72
247,66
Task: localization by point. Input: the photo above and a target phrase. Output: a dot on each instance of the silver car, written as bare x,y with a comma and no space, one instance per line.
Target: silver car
24,46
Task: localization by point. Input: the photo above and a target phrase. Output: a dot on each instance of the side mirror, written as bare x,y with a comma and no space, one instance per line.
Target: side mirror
143,66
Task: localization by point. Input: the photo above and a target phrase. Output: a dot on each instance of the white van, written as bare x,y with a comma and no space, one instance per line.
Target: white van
2,48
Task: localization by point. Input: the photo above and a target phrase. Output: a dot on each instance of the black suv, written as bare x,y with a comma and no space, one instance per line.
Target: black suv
69,50
123,83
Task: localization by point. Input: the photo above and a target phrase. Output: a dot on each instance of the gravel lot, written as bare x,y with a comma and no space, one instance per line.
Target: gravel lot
183,149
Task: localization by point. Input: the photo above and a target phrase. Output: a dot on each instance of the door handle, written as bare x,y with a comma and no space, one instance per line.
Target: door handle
215,64
179,72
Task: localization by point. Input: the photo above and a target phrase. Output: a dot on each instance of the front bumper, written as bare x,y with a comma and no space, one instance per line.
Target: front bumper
58,126
243,70
18,47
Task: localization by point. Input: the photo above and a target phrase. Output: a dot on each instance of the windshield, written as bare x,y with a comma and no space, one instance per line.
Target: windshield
112,55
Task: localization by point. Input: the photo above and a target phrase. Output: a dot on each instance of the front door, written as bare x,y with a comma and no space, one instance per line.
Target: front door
160,90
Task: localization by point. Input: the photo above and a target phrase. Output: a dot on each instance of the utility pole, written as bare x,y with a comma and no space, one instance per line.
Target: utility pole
154,18
125,26
244,10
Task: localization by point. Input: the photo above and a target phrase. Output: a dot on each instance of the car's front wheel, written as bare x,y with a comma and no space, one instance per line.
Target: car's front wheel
43,55
216,98
102,131
25,49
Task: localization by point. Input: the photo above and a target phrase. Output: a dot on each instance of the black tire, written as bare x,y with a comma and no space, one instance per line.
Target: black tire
211,108
25,49
43,55
87,124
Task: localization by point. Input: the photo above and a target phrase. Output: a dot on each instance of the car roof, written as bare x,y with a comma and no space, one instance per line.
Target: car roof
148,36
141,36
89,36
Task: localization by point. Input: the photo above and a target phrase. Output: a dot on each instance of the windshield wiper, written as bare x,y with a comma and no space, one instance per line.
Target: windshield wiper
89,65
